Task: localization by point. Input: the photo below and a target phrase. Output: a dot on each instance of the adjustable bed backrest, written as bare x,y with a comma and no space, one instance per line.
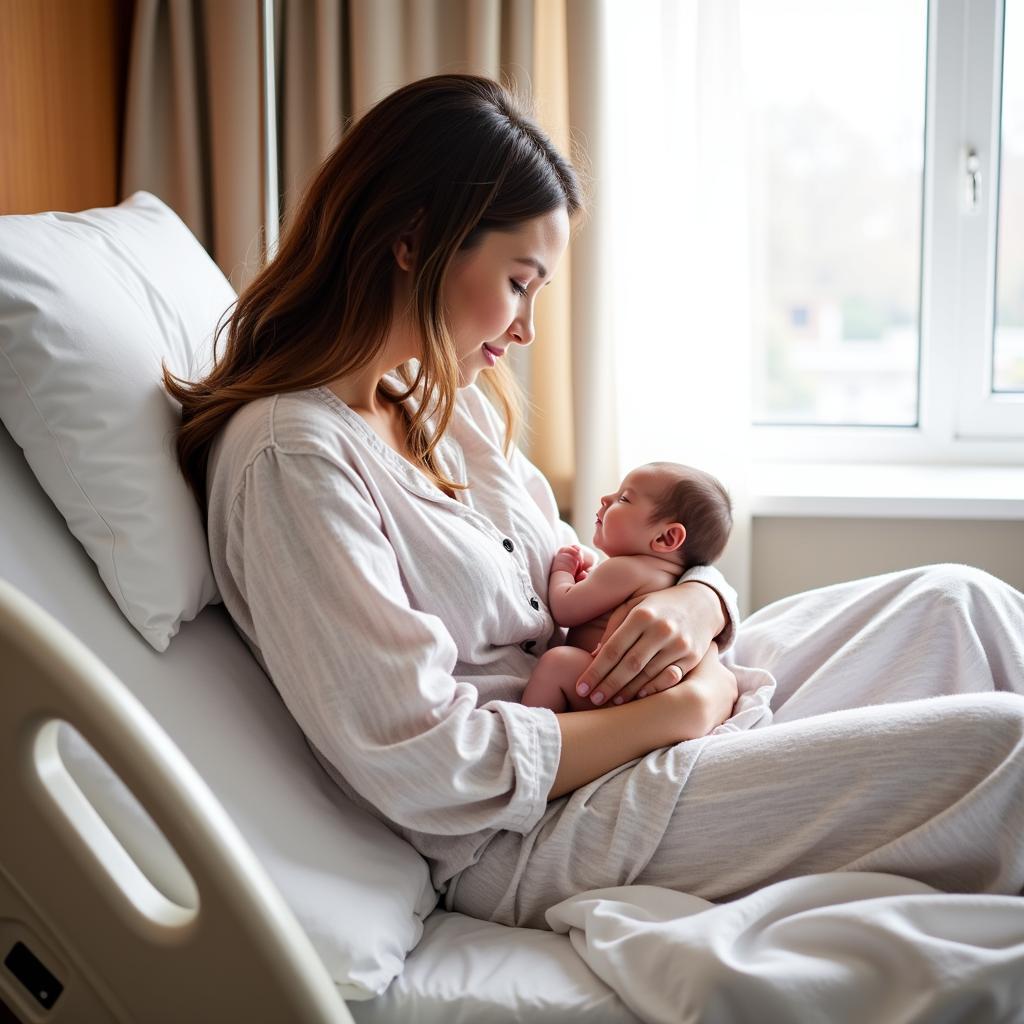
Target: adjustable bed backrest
209,694
206,690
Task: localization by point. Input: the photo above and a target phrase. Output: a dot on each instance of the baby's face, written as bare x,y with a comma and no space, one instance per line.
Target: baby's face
624,524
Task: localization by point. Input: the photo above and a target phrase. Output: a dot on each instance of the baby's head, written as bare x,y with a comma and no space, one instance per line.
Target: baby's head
675,512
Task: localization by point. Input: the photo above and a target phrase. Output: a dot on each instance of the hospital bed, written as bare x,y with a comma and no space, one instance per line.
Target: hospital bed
216,709
171,849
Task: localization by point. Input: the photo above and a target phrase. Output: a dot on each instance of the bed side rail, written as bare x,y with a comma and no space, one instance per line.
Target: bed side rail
84,934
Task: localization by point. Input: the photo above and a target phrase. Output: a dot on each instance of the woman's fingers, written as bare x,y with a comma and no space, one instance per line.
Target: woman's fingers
637,655
625,656
655,670
649,681
615,665
664,680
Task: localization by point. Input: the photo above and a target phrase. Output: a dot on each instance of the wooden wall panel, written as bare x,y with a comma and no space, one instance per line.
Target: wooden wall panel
61,81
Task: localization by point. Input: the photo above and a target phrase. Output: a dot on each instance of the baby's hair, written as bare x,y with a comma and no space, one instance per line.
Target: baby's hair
702,504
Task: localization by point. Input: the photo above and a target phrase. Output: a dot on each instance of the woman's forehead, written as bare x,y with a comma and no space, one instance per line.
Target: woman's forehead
540,240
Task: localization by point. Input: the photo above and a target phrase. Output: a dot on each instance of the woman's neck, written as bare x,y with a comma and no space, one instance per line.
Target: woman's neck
358,390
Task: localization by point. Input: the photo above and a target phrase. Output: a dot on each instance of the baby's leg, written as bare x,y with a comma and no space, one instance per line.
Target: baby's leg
553,682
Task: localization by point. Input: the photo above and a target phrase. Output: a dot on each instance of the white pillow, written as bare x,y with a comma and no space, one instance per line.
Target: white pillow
89,305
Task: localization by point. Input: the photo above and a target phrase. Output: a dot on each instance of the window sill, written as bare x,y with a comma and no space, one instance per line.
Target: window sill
815,490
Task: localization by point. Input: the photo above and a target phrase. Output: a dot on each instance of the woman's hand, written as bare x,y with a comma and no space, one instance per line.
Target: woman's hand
714,686
652,642
594,742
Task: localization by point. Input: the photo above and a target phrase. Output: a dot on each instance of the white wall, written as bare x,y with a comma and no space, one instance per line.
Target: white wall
793,554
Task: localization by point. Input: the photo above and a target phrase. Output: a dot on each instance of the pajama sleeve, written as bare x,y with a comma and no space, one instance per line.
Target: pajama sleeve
710,576
368,677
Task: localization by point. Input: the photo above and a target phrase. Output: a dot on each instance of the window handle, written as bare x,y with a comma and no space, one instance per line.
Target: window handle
972,164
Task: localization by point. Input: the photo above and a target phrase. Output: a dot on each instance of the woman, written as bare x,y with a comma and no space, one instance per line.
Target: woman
383,548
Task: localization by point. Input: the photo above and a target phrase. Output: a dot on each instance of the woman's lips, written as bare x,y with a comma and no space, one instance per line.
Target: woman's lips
492,354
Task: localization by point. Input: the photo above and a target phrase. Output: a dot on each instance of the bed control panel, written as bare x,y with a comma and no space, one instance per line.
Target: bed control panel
32,973
41,979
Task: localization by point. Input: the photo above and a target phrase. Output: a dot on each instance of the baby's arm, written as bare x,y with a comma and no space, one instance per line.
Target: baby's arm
606,586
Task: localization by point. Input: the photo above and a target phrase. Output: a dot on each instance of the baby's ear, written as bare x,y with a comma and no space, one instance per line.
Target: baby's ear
671,538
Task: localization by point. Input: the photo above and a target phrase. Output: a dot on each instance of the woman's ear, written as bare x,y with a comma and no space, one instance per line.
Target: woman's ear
671,538
407,246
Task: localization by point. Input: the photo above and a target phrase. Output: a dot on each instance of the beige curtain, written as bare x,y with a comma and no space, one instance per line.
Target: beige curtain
596,468
192,122
338,58
193,137
548,378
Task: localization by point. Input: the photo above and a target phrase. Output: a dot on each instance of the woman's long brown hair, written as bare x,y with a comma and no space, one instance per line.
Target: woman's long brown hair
459,155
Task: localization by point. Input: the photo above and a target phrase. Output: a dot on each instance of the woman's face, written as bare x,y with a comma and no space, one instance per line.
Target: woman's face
490,289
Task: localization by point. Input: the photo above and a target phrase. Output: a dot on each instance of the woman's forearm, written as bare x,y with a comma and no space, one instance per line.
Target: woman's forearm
595,742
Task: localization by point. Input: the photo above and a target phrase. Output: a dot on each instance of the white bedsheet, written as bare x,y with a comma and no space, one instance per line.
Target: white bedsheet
840,947
466,971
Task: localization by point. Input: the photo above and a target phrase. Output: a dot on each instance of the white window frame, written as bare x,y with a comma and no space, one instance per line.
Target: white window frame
960,421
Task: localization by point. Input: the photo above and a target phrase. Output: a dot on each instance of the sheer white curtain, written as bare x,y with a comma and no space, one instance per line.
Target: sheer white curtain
670,181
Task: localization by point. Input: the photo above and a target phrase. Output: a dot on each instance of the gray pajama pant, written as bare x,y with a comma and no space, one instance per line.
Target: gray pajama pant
897,746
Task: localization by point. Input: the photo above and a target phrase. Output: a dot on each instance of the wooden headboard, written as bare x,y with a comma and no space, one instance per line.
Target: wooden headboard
63,67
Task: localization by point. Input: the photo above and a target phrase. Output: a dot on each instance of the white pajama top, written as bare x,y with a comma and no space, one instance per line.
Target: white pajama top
399,625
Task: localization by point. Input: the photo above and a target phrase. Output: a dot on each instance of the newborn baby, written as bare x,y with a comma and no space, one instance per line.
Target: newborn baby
664,519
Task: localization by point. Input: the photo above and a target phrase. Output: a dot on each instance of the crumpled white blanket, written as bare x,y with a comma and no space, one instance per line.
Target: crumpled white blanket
832,948
753,707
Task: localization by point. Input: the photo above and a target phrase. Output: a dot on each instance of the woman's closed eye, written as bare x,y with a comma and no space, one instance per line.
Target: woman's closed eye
517,287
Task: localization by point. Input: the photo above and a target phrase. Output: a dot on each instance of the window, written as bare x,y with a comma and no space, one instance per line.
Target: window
886,192
1008,356
836,150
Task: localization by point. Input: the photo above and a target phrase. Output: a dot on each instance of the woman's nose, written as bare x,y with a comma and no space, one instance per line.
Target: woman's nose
521,330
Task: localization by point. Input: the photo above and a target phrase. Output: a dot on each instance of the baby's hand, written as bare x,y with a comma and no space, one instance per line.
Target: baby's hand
567,560
586,564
